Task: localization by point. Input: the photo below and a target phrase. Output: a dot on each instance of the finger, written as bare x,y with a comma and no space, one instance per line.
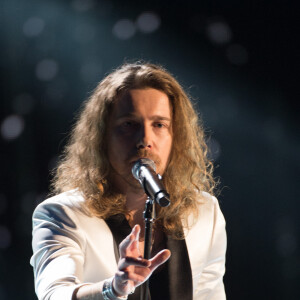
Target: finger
129,240
133,261
159,259
138,231
133,249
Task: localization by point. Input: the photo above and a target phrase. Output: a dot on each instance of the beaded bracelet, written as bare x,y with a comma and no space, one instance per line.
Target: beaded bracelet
108,293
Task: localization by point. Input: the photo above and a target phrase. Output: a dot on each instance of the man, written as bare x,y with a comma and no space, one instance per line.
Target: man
138,111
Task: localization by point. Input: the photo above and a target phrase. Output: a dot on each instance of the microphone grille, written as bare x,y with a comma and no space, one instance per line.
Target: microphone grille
142,162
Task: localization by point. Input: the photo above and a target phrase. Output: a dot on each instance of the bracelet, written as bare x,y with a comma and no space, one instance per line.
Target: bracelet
108,293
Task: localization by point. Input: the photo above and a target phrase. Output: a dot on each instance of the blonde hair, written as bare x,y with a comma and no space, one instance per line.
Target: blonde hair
84,164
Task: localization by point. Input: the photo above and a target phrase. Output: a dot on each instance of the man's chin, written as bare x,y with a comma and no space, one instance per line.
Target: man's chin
134,184
131,183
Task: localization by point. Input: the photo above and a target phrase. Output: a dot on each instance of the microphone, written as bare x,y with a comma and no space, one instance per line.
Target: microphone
144,170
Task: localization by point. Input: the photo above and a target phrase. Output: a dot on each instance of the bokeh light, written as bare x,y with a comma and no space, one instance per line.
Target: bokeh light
219,32
12,127
46,69
124,29
34,26
148,22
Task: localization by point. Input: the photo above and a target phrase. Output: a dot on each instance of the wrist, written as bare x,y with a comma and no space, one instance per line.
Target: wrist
108,291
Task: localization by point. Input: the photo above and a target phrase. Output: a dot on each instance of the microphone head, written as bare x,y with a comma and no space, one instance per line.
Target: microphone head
142,162
163,198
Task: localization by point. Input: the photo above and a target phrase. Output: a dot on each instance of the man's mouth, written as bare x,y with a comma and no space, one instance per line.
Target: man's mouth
135,159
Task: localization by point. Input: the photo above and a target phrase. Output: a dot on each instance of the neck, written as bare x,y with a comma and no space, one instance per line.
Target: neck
135,198
135,204
131,189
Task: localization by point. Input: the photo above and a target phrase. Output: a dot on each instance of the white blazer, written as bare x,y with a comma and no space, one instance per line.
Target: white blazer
72,248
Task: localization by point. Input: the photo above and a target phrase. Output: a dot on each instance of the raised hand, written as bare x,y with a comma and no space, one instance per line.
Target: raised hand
133,269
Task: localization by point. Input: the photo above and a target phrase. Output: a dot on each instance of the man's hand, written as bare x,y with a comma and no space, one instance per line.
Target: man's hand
133,270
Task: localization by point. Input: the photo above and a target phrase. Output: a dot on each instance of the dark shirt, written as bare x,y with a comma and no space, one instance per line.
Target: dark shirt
173,279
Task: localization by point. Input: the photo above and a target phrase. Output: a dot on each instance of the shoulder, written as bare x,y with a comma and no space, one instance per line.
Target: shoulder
207,199
208,213
206,233
206,242
72,198
69,203
207,204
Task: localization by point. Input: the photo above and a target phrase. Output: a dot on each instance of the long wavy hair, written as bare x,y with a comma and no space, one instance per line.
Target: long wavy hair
84,164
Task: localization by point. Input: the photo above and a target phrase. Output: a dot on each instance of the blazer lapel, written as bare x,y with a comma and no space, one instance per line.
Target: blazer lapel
180,273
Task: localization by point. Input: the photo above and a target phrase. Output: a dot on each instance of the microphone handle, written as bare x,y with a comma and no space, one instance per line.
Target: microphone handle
153,186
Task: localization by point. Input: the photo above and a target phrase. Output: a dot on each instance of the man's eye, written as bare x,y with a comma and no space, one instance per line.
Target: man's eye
128,124
159,125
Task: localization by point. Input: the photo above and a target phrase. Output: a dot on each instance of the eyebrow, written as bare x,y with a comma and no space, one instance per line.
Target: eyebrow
158,117
155,117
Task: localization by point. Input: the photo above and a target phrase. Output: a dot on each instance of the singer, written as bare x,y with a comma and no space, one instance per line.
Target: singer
88,238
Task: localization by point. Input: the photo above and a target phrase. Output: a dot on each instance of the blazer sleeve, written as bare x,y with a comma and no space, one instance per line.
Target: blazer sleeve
210,285
58,251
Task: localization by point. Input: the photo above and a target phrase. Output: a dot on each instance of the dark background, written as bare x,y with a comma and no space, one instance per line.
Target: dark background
237,59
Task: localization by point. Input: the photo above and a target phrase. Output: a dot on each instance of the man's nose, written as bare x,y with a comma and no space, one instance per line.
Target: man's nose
144,137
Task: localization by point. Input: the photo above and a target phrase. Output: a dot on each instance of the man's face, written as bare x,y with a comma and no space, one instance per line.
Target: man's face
139,126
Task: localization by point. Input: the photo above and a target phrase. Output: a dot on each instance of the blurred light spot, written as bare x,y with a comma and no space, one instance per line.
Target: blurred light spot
3,204
214,149
84,33
237,54
46,69
23,104
286,244
148,22
124,29
91,71
5,237
33,26
12,126
219,32
83,5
